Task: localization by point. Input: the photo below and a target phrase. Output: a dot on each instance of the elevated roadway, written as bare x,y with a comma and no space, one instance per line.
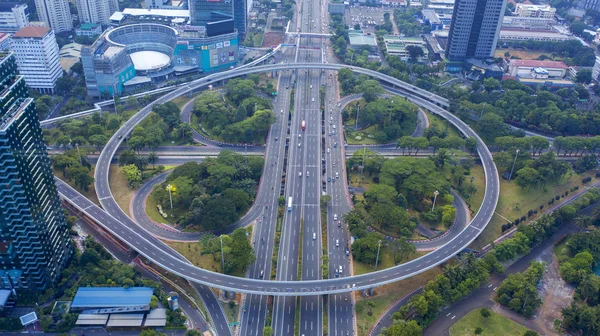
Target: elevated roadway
119,224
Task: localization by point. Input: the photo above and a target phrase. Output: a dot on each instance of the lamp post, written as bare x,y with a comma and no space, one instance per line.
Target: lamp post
377,259
435,195
222,255
513,165
362,167
169,188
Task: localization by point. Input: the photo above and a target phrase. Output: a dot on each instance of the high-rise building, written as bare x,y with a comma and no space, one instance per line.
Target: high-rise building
203,12
96,11
240,17
475,29
56,14
34,236
13,16
37,56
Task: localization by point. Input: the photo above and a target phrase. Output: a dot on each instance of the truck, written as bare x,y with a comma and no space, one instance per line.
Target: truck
290,204
303,125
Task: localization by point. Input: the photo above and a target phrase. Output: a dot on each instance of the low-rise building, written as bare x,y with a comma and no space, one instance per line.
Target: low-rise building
398,46
524,68
533,34
394,3
431,18
360,40
336,8
519,22
541,11
89,30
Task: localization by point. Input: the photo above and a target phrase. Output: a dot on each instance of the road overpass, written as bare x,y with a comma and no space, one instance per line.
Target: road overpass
120,225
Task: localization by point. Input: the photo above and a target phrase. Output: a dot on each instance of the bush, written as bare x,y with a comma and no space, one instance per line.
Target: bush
523,218
557,198
517,221
529,213
586,180
598,175
541,207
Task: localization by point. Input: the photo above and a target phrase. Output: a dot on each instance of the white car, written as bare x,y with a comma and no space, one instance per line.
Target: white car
337,175
328,150
334,217
307,174
314,235
311,86
337,243
313,99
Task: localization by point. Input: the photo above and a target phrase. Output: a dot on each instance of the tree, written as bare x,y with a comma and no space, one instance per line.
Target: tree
132,174
583,76
415,52
530,333
98,140
137,142
527,177
583,222
471,144
152,158
478,331
370,89
268,331
485,313
81,176
491,84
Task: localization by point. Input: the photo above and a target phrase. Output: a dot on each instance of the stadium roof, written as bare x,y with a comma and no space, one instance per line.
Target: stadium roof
92,319
125,320
104,297
156,318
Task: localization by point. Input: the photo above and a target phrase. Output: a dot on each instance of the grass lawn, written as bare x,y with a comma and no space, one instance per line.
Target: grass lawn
191,251
232,313
515,202
495,325
474,201
385,261
118,185
385,296
363,134
523,54
440,123
90,194
152,211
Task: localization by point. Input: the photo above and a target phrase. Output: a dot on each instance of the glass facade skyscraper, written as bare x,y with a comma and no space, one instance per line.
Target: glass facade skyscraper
240,17
205,11
474,29
34,235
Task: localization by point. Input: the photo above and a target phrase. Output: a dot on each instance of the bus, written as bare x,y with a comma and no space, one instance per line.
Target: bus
290,204
303,125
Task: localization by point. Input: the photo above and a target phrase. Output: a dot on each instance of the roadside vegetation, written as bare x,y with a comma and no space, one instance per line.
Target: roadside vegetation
488,323
210,195
239,115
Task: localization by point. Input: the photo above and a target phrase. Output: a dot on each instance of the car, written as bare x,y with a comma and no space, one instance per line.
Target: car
299,135
335,144
311,86
337,243
299,174
336,273
287,87
276,138
120,137
339,223
340,269
314,235
328,150
334,126
298,144
307,174
347,251
313,99
331,118
262,273
328,179
339,104
335,217
337,175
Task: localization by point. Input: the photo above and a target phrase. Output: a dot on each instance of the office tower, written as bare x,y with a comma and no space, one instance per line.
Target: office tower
96,11
56,14
36,53
240,17
34,236
13,16
203,12
475,29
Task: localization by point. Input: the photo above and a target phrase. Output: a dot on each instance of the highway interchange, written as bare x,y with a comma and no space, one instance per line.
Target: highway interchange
152,248
306,152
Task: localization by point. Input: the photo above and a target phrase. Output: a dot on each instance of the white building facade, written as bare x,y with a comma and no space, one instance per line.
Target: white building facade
56,14
37,56
13,17
96,11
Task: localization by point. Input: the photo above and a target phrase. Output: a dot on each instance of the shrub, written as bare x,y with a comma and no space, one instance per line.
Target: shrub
557,198
586,180
541,207
523,218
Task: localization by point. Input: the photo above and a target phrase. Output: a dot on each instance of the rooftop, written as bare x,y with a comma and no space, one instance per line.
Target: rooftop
538,64
360,39
157,12
88,26
32,31
104,297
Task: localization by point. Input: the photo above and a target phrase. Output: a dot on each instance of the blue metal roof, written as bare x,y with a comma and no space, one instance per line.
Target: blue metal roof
102,297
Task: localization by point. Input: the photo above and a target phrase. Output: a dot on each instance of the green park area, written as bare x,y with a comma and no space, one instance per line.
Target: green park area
236,115
494,325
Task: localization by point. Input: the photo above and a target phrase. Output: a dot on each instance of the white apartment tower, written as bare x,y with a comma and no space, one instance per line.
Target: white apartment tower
13,16
56,14
96,11
36,53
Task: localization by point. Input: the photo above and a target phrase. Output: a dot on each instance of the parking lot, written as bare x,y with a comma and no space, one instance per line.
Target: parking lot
367,17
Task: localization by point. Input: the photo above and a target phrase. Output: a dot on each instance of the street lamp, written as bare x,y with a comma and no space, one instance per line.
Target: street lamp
435,195
377,259
222,255
513,165
362,167
171,188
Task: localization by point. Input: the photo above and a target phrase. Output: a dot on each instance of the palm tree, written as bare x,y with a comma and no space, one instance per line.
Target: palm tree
596,213
582,222
152,158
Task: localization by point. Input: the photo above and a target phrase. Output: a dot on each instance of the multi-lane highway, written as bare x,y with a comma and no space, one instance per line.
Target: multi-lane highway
149,246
